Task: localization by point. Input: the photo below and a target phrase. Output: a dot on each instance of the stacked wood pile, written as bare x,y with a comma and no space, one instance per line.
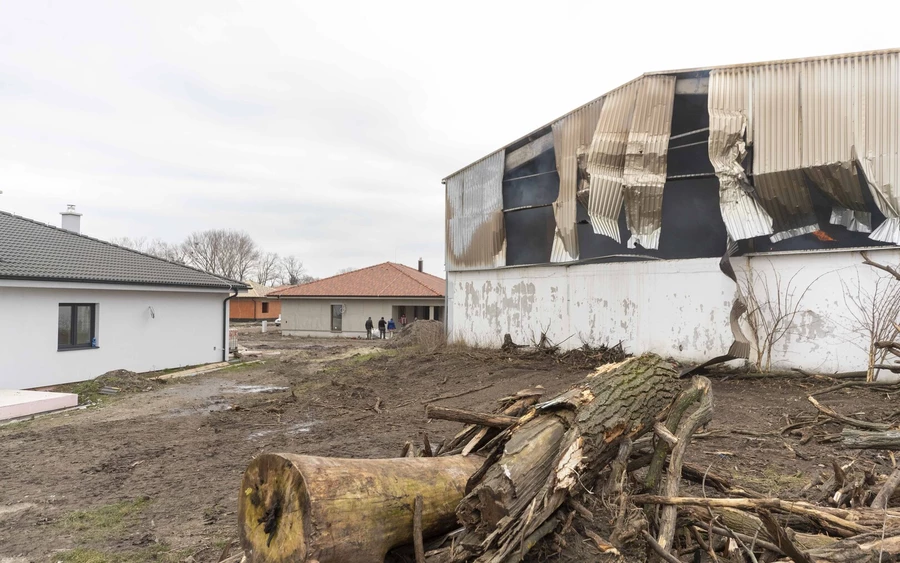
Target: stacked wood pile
602,463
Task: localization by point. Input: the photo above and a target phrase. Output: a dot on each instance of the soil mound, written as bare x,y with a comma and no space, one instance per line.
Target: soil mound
125,381
418,333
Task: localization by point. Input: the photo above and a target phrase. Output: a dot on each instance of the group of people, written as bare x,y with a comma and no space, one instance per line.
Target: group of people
384,327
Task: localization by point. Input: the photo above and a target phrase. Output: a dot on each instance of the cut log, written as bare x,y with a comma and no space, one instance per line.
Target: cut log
858,440
470,417
303,508
559,446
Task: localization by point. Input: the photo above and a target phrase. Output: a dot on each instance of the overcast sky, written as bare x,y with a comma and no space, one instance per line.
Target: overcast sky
324,128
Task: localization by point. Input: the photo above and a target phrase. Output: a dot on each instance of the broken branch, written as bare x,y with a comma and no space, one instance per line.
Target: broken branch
846,419
470,417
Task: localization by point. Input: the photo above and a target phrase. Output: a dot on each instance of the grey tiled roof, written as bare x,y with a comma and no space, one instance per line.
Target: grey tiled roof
35,251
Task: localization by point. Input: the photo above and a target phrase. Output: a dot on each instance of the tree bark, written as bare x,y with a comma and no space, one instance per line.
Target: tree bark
558,447
303,508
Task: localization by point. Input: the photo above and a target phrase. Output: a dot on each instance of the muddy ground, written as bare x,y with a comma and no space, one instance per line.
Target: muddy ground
154,475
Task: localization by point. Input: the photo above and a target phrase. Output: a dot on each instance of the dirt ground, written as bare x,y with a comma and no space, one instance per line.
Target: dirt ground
154,475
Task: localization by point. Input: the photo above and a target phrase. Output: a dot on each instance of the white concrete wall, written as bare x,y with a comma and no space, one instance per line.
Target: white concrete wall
312,316
187,330
677,308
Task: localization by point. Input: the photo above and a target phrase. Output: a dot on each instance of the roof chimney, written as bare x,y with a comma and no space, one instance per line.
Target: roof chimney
71,221
420,264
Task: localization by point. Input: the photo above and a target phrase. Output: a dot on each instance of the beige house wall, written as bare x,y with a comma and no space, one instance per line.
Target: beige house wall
308,316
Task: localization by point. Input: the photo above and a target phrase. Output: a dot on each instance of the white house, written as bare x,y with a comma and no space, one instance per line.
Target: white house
611,223
340,305
73,307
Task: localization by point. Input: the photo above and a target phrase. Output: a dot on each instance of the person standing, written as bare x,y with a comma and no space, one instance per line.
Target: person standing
403,320
391,327
382,328
369,327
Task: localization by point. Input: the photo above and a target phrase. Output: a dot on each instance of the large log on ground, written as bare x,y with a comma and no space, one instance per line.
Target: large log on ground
861,440
561,445
303,508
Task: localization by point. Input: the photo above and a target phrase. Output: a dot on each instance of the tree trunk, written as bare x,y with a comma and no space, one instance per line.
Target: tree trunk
559,447
859,440
303,508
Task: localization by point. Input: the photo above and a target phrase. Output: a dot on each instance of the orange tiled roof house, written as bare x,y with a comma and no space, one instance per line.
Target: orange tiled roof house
340,305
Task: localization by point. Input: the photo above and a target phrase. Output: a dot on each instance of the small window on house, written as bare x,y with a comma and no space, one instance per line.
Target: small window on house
77,326
337,317
265,308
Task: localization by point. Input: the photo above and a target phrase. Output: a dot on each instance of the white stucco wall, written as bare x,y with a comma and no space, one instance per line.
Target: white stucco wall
677,308
187,330
312,316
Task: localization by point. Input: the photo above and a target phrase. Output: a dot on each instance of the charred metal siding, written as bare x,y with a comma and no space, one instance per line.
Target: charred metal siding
571,135
475,234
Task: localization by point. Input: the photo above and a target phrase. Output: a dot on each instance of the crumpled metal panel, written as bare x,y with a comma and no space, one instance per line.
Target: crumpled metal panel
645,159
840,182
777,151
570,135
729,104
606,160
814,121
879,156
476,236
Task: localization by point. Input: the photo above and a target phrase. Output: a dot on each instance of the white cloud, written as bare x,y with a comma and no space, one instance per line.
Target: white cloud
324,128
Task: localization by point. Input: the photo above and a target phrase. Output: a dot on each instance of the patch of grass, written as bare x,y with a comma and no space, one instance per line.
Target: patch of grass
375,353
105,521
156,552
86,390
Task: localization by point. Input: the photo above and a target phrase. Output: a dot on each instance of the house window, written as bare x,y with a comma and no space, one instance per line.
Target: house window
265,308
77,325
337,316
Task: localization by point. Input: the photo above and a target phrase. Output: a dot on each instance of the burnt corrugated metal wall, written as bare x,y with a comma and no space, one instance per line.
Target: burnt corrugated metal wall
788,155
476,236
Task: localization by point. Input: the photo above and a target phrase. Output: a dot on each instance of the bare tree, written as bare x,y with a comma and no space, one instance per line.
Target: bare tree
268,268
224,252
137,243
772,307
345,271
306,278
173,252
157,247
874,314
292,270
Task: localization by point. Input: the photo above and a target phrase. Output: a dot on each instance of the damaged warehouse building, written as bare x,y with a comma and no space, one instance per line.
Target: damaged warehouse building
726,211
